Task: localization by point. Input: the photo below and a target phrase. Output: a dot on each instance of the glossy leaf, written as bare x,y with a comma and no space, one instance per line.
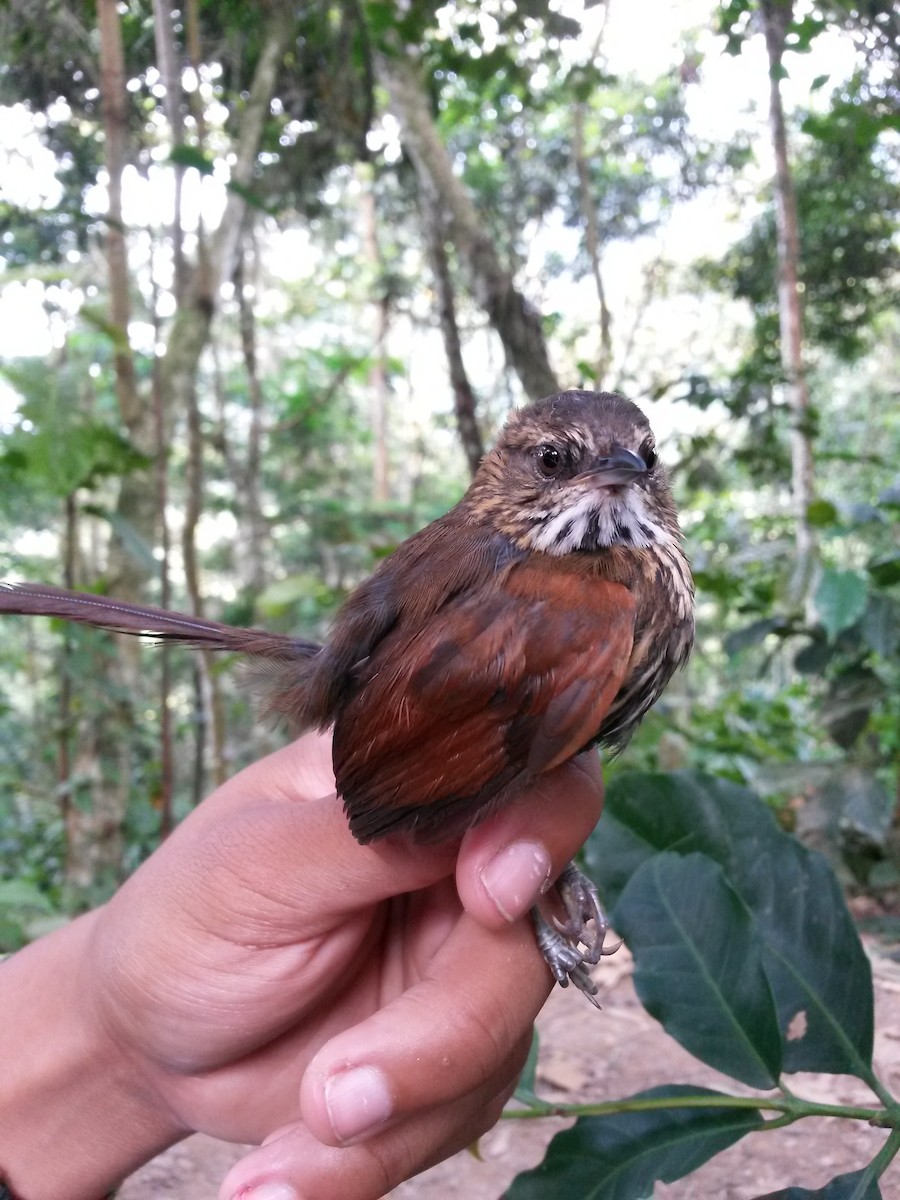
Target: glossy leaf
840,600
812,955
858,1185
698,965
621,1156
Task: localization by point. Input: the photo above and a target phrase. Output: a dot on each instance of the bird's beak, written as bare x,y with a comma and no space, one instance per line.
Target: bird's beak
620,467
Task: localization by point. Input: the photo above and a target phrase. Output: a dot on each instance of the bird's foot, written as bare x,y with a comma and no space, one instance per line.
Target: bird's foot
563,958
572,946
586,924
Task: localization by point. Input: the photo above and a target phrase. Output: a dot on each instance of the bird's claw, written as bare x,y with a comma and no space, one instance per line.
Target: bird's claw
565,959
571,946
586,922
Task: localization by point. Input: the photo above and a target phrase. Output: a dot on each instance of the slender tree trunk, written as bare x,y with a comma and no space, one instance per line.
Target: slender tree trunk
379,387
254,529
103,758
168,66
192,325
112,74
226,242
592,243
66,722
167,60
166,770
776,16
517,322
464,402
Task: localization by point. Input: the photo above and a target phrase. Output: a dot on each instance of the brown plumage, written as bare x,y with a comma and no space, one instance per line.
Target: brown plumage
543,614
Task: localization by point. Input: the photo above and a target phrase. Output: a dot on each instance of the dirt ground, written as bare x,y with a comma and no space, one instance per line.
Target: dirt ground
586,1055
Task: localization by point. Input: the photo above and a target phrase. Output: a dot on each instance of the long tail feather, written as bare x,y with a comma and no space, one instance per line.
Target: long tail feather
37,599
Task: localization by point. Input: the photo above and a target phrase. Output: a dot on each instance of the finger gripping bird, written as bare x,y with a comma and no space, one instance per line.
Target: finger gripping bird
544,614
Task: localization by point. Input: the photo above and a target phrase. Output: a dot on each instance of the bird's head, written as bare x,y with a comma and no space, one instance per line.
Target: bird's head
577,472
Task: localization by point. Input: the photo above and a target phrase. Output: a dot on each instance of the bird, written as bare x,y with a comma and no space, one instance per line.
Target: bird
544,614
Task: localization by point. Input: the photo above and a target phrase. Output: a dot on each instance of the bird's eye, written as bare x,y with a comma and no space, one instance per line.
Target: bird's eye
648,454
549,459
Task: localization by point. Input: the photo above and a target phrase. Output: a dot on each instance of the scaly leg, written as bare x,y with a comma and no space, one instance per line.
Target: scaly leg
571,946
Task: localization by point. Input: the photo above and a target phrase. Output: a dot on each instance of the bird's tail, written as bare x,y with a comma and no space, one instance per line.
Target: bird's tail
37,599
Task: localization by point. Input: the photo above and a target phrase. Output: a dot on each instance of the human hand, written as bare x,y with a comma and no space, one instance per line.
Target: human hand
264,977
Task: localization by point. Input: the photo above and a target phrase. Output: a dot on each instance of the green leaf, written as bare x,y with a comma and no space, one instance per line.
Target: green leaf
881,625
23,897
812,955
821,513
885,571
815,656
12,935
840,600
620,1157
251,197
698,965
848,703
191,156
858,1185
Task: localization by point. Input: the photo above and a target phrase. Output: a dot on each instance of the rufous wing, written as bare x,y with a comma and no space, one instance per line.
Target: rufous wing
452,718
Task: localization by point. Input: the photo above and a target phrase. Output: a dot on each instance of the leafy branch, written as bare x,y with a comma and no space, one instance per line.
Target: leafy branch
745,952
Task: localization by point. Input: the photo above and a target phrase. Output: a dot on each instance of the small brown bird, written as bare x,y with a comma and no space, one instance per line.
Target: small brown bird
544,614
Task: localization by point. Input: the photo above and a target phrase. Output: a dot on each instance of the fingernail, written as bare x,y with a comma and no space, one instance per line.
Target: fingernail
516,876
357,1100
267,1191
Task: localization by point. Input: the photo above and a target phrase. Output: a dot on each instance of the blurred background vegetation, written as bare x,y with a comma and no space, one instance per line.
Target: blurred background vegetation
272,276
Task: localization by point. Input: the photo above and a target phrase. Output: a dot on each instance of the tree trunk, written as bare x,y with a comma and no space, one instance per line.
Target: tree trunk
279,26
252,524
102,763
379,386
464,401
166,760
112,79
192,325
517,322
592,244
777,16
168,66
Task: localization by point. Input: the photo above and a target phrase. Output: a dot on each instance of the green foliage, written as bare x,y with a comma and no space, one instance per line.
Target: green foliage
57,447
699,965
746,953
858,1185
840,600
797,699
21,908
848,200
811,954
620,1157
